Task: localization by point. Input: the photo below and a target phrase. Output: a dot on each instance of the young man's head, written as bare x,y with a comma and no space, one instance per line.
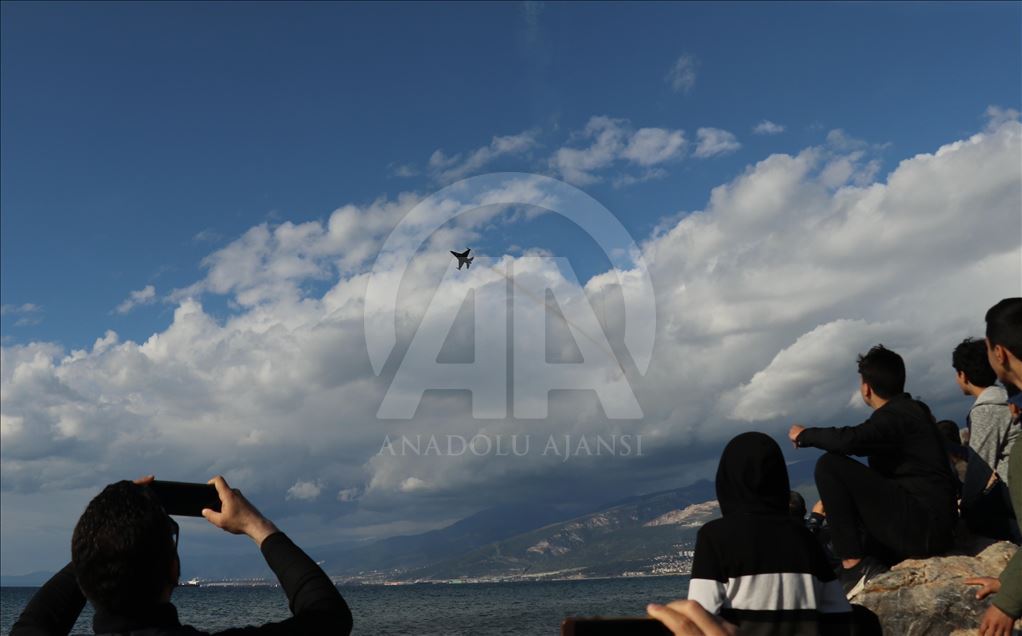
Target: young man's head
1004,339
970,361
883,375
124,550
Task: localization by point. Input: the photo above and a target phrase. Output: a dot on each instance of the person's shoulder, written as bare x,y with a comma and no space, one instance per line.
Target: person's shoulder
713,526
904,409
992,397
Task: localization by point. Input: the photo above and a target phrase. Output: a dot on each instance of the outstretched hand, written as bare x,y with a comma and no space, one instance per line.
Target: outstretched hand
689,618
237,515
794,432
988,585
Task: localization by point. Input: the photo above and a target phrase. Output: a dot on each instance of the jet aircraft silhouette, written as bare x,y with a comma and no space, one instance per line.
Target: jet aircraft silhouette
463,258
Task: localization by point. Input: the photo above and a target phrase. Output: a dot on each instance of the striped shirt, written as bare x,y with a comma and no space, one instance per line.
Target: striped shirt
768,575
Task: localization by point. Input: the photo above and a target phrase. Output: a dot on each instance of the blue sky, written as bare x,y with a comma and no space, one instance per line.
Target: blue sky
130,129
191,196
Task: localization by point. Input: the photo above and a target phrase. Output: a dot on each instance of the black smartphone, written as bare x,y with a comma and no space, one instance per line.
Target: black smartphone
185,499
597,626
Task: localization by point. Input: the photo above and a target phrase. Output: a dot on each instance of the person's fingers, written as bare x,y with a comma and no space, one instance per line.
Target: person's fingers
142,481
222,489
678,624
212,516
986,586
692,610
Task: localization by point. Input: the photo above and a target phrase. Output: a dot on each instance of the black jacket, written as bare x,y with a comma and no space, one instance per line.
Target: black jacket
317,606
902,443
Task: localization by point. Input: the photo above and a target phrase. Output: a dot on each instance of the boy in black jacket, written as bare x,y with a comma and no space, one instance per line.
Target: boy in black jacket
903,504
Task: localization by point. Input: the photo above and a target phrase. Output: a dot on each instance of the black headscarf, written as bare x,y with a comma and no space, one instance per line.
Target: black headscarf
752,477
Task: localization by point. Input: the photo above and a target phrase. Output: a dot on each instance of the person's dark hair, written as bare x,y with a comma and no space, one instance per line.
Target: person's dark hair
884,371
1004,325
796,506
1011,389
122,549
970,357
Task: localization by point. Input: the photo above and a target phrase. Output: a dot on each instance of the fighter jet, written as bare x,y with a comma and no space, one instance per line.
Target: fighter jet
463,258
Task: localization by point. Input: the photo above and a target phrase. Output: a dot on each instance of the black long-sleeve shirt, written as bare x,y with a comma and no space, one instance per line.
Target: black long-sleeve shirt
902,443
317,606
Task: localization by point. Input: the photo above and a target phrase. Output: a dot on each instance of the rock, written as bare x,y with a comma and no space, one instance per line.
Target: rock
929,596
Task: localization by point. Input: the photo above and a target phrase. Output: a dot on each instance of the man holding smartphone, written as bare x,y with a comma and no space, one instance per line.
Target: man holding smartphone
124,561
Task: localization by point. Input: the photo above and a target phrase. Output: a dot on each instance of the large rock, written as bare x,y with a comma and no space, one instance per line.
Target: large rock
929,596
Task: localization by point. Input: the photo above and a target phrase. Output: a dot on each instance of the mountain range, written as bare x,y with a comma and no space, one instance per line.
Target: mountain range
642,535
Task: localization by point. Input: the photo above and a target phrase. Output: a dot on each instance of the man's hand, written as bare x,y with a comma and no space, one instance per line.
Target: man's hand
988,585
794,432
237,515
818,509
996,623
688,618
144,481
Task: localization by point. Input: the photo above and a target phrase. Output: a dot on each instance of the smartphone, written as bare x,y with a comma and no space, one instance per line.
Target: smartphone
185,499
597,626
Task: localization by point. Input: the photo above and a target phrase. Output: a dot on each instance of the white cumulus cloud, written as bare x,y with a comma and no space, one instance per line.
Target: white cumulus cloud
304,490
25,314
715,141
682,76
764,296
767,127
144,296
447,169
612,141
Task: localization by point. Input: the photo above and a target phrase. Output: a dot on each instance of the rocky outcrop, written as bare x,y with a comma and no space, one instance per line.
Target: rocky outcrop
692,516
929,596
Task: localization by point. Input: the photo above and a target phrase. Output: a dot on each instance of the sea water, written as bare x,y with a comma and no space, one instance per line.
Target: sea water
422,609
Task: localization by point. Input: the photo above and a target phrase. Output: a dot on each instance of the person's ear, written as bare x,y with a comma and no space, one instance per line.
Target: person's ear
1003,355
996,354
962,380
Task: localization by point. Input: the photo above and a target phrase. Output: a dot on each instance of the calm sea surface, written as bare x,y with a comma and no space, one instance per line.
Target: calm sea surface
490,608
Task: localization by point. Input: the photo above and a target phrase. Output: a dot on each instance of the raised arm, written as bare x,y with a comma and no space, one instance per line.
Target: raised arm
54,608
865,439
317,606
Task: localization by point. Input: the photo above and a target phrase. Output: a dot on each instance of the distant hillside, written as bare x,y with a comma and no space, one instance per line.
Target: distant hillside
32,579
644,535
402,553
647,534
